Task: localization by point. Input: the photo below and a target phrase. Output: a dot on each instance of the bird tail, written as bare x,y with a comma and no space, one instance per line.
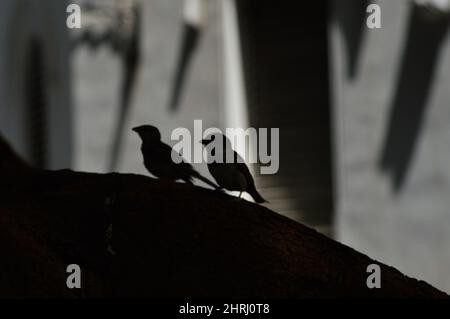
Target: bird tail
256,196
205,180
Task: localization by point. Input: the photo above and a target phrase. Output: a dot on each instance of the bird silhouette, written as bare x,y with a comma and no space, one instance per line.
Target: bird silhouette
232,176
158,158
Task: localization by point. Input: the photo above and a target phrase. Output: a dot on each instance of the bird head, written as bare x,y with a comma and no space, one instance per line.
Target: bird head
148,133
215,137
207,141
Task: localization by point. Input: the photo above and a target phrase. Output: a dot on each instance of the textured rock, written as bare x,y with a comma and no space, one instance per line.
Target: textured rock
170,240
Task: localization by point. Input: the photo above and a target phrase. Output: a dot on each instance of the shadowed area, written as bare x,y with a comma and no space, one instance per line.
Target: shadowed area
417,71
351,16
285,51
170,240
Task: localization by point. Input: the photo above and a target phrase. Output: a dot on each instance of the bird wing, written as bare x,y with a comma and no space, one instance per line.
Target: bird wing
184,170
243,169
162,153
166,154
251,188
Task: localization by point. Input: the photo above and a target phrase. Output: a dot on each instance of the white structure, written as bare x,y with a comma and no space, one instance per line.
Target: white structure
35,102
392,136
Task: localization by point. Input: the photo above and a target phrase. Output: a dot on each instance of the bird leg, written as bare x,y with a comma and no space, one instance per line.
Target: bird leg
239,198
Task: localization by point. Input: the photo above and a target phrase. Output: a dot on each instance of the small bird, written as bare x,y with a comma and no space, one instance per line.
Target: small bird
233,176
158,158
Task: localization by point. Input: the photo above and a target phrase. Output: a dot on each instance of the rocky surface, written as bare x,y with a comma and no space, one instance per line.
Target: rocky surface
169,240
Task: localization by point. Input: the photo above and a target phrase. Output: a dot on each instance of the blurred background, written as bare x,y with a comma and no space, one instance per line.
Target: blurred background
364,114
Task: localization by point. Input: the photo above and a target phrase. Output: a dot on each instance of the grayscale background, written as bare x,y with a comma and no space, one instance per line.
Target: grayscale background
364,115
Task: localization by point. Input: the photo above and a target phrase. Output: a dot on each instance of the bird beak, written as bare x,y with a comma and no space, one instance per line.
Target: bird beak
205,142
135,129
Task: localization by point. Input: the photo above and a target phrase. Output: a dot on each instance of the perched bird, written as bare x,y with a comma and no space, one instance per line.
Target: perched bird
158,158
233,176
